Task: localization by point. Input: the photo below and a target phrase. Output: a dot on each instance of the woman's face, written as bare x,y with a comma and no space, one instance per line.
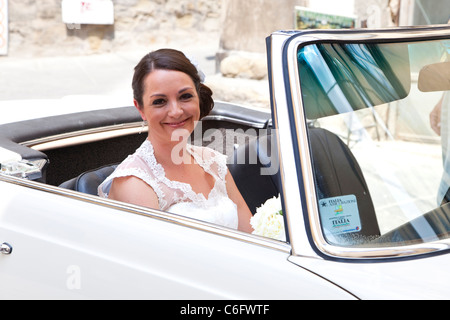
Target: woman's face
170,103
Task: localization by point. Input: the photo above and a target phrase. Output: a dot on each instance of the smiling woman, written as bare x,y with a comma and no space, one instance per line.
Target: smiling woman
170,103
170,97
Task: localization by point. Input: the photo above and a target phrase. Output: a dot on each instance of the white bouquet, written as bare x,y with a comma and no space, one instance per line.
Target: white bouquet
268,220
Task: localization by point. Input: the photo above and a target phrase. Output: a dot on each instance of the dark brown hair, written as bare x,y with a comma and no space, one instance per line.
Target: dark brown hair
170,59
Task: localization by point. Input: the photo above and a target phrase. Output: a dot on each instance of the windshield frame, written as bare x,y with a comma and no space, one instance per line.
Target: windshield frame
298,120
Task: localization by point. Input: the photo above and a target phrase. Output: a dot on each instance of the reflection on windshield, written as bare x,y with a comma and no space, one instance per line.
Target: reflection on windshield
379,144
342,78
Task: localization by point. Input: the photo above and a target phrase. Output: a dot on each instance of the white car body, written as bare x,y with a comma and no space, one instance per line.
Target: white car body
69,245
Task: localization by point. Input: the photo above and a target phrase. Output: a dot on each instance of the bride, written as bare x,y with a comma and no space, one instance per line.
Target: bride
193,181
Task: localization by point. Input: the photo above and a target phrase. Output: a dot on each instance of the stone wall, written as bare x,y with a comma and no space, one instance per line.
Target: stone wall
36,27
246,25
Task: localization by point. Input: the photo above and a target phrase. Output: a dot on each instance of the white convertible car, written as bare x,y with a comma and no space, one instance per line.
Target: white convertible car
355,144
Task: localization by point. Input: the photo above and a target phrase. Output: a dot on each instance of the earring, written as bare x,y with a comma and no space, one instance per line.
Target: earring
143,125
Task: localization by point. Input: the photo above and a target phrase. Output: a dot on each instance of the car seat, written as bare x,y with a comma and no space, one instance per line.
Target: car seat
89,181
255,187
336,172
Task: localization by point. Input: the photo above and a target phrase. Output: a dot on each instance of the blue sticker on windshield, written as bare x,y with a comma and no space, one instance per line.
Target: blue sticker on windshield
340,215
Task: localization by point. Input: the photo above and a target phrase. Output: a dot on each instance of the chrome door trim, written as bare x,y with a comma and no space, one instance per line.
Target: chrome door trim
290,191
151,213
84,136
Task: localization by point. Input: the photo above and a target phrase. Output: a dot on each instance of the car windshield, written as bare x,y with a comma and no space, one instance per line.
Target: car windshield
379,131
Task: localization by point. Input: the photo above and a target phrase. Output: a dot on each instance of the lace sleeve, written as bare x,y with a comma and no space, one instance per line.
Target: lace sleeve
133,166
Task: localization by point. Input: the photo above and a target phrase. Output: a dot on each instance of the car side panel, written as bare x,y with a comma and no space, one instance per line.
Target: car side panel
68,248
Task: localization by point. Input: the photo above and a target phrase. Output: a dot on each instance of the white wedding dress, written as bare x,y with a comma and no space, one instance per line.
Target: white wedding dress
178,197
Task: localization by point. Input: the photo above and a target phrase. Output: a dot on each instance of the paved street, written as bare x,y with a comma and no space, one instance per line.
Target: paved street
99,74
77,82
48,85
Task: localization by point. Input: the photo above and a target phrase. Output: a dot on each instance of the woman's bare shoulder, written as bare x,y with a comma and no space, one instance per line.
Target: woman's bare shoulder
133,190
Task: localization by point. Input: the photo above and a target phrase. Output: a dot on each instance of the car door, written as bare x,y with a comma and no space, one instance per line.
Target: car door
66,245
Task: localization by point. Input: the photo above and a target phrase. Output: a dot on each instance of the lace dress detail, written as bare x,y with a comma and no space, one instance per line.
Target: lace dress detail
178,197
